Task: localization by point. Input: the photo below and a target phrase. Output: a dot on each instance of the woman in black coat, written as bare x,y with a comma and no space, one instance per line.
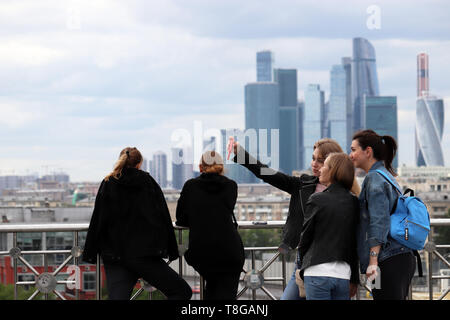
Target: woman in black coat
215,250
132,231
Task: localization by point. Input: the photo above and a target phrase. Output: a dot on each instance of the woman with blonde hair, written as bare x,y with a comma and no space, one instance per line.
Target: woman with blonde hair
328,255
132,231
300,189
215,249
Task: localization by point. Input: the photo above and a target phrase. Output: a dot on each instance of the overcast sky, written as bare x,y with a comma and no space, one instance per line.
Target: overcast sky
80,80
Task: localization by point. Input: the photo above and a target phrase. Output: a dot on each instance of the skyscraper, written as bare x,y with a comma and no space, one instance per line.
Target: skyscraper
337,110
347,64
144,166
423,84
381,117
300,134
264,61
287,83
182,167
313,120
429,119
429,130
160,168
364,79
262,115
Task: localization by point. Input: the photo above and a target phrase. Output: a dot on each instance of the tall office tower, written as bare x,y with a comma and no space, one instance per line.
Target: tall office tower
151,169
144,166
262,115
347,64
381,117
264,61
287,83
160,168
423,84
178,171
429,130
325,121
182,167
300,134
364,79
337,113
313,120
233,170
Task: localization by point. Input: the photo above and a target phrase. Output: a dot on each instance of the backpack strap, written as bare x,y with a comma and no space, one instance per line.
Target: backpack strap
419,262
389,180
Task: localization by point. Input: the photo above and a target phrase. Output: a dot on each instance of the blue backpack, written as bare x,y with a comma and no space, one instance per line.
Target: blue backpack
410,220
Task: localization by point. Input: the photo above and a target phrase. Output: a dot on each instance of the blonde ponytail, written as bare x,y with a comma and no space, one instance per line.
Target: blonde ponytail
128,158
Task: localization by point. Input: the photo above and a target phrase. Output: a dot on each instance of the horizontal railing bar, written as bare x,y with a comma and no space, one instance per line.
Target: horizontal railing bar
62,227
273,279
260,248
46,252
25,282
441,277
46,227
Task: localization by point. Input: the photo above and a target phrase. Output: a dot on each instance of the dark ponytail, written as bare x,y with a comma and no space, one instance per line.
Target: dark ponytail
384,147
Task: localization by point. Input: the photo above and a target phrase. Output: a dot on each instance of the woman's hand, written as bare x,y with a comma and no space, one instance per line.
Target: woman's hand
235,147
371,272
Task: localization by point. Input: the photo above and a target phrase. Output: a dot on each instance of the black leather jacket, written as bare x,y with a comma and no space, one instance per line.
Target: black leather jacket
300,189
329,230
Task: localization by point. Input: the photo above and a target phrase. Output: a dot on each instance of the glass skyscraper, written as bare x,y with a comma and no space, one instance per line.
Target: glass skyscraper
287,84
312,121
347,64
429,130
264,61
381,117
160,168
337,110
364,79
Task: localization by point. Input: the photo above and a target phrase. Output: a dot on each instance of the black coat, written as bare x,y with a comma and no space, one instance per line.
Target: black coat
329,231
130,219
300,189
206,206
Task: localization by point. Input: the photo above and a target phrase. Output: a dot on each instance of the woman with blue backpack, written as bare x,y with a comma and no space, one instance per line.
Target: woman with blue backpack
382,258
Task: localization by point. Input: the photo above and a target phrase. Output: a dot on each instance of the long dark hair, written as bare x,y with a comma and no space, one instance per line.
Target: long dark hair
384,147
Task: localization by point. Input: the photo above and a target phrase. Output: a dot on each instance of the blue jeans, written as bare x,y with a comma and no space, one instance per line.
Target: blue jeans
327,288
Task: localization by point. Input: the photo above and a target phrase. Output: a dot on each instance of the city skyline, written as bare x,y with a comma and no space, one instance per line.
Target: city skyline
79,85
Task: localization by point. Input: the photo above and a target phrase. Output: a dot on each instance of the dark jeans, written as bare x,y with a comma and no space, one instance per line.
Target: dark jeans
396,274
122,277
221,286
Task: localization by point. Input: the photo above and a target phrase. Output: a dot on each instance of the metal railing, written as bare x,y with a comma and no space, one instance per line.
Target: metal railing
254,279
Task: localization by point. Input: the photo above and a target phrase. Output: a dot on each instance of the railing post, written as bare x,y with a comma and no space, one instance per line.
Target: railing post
253,268
15,265
180,259
98,283
77,264
283,266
